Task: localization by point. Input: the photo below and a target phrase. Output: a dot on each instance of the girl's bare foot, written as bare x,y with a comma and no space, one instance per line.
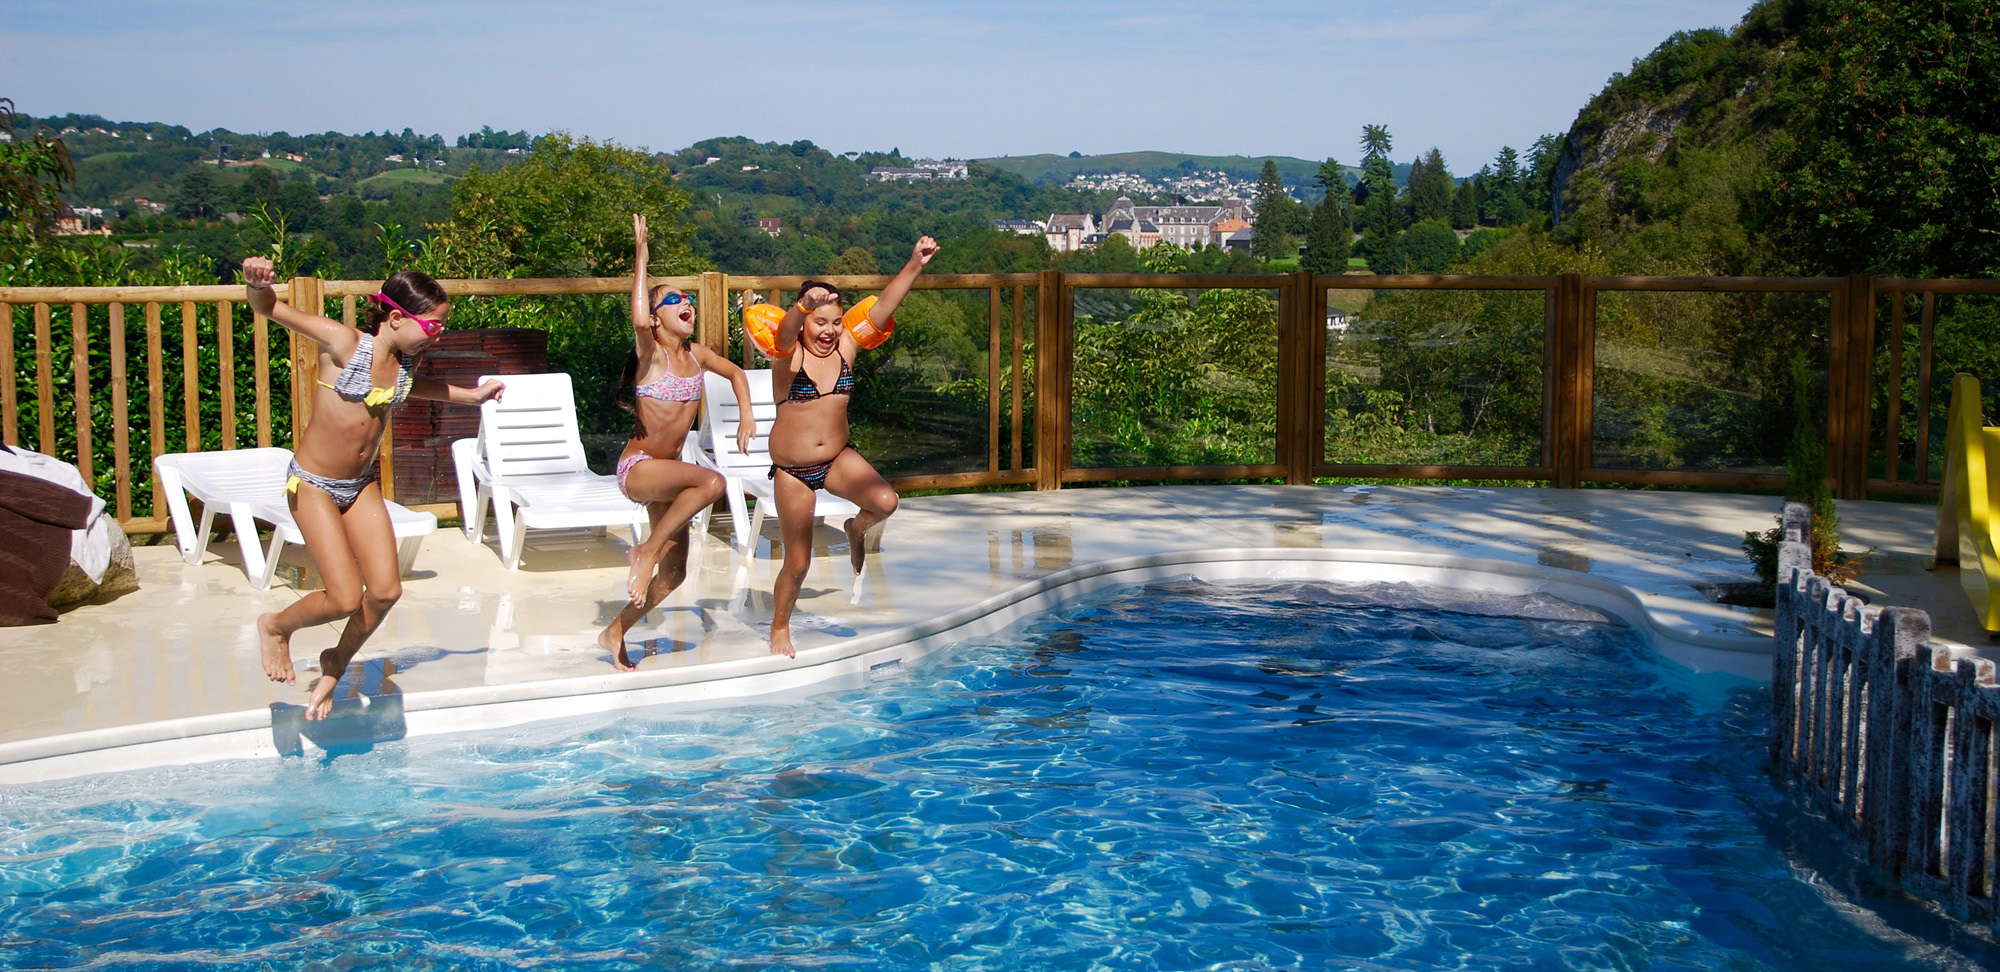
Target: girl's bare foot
645,560
781,643
612,639
857,544
319,704
276,647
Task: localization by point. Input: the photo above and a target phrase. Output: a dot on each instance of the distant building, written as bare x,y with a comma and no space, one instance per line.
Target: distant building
922,170
770,224
1066,232
392,158
1239,239
1141,233
1337,320
1022,227
1184,226
1221,231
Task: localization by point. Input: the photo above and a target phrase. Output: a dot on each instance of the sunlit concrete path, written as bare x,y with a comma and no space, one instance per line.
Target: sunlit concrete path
176,663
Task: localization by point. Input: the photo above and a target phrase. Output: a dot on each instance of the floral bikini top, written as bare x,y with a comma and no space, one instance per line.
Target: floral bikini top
670,387
356,382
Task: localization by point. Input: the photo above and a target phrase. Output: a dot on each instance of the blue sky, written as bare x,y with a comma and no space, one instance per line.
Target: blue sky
934,79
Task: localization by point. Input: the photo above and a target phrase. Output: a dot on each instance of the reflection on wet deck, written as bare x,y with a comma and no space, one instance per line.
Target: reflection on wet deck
184,645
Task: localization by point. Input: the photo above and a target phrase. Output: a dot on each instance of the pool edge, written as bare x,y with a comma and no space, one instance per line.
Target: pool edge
251,733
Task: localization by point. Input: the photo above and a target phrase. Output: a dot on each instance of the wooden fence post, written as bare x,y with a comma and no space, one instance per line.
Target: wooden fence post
304,295
1299,314
1052,354
1569,354
1850,369
712,311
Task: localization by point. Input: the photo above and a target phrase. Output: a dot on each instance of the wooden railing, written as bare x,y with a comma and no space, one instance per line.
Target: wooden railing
1888,734
1031,353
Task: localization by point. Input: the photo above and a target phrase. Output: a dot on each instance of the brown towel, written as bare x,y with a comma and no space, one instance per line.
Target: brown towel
36,517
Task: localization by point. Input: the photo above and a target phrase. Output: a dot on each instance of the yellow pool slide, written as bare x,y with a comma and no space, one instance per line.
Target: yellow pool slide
1969,505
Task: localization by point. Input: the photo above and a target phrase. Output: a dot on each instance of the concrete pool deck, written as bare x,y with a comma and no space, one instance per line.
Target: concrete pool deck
170,674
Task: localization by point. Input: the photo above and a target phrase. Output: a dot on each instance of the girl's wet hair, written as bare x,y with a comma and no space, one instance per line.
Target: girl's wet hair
414,290
624,394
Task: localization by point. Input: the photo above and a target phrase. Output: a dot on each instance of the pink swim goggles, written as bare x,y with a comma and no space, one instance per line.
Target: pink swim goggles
430,327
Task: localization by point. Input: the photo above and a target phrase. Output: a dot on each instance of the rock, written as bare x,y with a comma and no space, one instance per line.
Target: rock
120,578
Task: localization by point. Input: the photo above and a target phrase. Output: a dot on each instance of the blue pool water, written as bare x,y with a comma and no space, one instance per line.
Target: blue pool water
1175,776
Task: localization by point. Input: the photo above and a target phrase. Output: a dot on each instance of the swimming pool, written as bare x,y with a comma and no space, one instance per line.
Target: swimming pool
1177,775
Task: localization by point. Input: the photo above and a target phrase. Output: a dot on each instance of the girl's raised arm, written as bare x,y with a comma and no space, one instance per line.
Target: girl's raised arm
745,430
642,315
794,323
337,338
892,295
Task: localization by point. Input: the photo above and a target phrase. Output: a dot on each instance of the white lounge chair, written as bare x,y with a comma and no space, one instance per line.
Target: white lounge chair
747,474
250,485
528,461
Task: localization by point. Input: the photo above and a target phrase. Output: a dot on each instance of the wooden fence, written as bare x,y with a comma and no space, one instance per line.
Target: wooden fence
1887,733
221,400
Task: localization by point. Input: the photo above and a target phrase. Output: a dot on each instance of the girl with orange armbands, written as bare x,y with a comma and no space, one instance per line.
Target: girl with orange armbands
810,356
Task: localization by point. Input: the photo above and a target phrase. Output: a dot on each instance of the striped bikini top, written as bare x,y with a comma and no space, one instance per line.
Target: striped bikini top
670,387
804,390
356,382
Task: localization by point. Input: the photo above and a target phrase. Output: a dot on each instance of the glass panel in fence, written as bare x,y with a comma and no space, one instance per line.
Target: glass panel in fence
1173,377
1703,381
1435,377
1962,340
923,405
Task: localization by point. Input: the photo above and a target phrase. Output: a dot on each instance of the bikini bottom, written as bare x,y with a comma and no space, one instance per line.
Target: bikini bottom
814,475
625,467
343,491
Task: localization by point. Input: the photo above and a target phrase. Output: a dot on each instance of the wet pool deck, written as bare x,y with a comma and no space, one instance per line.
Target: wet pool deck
181,653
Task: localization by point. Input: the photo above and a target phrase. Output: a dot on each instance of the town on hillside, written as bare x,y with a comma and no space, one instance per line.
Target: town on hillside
1225,225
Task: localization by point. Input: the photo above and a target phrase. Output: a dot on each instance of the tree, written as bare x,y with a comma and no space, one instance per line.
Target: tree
1464,206
1424,248
261,185
33,174
198,195
1889,163
1327,237
854,259
1375,141
1430,188
1273,239
1379,226
1377,175
566,211
1503,205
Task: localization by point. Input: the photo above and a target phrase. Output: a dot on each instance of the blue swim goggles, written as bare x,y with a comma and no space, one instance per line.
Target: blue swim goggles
672,299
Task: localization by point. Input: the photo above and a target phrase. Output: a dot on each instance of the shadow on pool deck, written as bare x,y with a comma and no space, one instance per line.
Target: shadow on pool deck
184,646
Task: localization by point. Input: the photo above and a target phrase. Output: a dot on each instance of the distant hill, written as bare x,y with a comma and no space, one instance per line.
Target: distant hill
1060,168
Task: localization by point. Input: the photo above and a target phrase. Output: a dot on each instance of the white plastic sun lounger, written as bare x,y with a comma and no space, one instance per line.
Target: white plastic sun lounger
528,462
250,485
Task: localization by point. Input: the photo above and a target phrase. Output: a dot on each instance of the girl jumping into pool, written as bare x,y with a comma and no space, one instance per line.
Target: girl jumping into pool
332,486
809,438
650,471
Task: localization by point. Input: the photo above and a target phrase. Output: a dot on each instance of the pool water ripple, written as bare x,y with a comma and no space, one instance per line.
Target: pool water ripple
1177,776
